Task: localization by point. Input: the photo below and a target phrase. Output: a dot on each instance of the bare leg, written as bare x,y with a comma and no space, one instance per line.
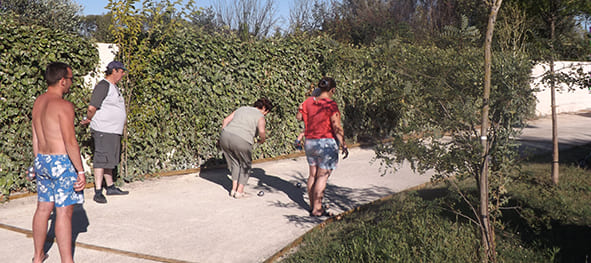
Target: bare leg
99,174
108,174
240,188
310,186
234,186
318,190
40,228
98,178
63,232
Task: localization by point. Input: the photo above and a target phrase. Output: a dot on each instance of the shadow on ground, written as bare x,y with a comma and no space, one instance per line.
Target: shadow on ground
337,198
80,224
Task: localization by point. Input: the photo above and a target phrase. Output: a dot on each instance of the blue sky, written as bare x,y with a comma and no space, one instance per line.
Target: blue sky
97,7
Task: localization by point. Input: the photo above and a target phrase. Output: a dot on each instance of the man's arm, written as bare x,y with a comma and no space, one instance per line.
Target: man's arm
100,92
90,112
35,141
66,122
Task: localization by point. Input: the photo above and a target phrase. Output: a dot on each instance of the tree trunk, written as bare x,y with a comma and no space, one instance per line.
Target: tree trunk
488,239
555,159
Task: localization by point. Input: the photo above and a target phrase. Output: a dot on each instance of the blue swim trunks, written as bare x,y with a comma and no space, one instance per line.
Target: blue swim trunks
55,180
323,153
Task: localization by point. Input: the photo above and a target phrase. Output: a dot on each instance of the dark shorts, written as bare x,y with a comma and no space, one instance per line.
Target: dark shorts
107,149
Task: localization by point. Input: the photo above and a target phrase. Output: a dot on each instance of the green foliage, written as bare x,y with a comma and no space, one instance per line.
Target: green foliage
543,205
55,14
26,50
460,36
192,81
556,218
96,27
569,43
545,223
439,117
440,102
406,228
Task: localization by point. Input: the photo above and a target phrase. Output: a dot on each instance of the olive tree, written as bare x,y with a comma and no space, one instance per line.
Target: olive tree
63,15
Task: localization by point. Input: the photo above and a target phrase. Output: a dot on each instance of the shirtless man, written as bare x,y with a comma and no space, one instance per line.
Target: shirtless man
58,165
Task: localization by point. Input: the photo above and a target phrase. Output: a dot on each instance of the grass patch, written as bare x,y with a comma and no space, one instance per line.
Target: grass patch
546,224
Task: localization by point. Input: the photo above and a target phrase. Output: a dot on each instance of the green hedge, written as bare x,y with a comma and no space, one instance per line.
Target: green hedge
26,50
193,80
189,80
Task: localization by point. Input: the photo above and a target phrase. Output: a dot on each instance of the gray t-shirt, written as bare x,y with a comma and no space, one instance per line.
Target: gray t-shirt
244,123
110,115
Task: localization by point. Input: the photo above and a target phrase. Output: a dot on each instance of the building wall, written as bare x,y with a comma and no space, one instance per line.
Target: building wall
107,53
566,101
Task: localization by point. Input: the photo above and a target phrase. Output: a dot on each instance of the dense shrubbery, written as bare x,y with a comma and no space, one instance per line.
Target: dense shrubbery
542,224
195,80
406,228
183,81
26,50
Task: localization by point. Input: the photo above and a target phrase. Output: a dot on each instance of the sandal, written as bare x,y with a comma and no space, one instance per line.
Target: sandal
323,214
45,257
239,195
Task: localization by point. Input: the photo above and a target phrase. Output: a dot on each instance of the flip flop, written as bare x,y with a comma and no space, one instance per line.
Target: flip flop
43,260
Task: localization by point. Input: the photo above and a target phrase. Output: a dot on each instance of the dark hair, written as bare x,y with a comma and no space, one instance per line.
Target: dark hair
56,71
109,71
327,83
263,102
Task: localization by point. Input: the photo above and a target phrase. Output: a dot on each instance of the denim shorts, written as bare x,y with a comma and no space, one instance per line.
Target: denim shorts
323,153
55,180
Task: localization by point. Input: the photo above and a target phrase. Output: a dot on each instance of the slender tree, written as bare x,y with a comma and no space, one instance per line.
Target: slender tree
62,15
488,237
248,17
558,17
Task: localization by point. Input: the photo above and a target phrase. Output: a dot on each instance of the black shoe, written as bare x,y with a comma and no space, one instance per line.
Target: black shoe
112,190
99,198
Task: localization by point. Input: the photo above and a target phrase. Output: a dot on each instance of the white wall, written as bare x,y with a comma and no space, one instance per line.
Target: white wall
566,101
107,53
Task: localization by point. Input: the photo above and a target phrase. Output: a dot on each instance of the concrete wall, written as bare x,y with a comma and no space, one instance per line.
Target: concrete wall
566,101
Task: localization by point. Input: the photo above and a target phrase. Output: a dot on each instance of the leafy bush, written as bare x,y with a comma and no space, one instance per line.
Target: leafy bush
193,80
554,216
405,228
26,51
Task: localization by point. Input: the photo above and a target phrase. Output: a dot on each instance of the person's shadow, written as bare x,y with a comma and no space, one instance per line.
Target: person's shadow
80,224
218,176
294,190
266,182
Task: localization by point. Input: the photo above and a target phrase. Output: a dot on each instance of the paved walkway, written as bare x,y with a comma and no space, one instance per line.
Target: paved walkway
191,218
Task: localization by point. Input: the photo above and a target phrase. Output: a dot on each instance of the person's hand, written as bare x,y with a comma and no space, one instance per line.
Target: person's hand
30,174
298,145
80,182
85,121
345,151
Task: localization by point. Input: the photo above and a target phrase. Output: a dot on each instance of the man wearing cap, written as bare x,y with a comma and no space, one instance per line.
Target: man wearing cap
107,117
